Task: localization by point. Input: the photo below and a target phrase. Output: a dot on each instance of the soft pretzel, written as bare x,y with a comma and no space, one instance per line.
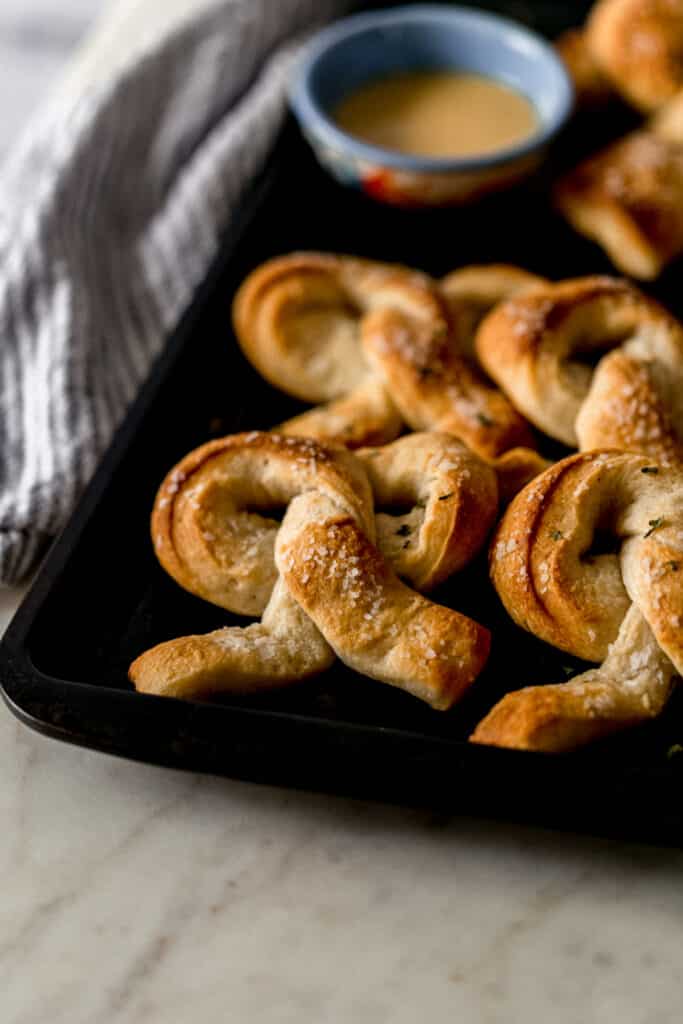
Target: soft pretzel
558,579
629,198
638,45
535,345
213,534
442,498
373,341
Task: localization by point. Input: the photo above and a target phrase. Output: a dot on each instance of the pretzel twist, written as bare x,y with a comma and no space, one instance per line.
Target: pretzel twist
331,590
623,608
374,343
535,346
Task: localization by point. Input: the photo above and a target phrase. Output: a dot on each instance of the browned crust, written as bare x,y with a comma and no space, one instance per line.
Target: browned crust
533,346
638,45
452,497
629,199
189,558
406,346
551,582
551,719
380,627
334,580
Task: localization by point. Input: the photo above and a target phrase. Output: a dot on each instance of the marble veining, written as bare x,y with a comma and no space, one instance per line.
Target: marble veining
136,895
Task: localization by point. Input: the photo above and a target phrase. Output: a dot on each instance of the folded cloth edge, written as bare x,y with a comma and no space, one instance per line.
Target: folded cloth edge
113,212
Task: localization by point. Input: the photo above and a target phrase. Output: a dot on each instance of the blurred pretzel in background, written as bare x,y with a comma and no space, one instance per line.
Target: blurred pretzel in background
628,197
638,46
319,582
627,48
589,558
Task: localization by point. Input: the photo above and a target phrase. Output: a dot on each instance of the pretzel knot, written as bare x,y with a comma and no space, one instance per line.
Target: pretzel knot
374,342
589,557
318,581
538,347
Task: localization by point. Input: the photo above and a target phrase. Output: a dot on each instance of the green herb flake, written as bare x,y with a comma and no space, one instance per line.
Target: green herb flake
654,524
556,535
444,497
675,748
650,469
404,530
485,420
569,670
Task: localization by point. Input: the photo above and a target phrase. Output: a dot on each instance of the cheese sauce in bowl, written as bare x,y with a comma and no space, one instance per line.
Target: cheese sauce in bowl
428,105
437,114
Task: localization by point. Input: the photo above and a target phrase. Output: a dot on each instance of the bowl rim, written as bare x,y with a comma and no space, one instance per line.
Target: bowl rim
314,118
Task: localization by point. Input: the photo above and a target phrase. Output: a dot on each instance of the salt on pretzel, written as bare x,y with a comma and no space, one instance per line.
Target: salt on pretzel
450,499
213,534
620,604
471,293
374,343
535,346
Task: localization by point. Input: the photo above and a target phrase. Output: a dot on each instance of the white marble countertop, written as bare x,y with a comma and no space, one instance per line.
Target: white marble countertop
138,895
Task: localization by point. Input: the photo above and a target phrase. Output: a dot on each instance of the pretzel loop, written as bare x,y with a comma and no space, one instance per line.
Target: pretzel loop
375,342
214,533
539,348
619,603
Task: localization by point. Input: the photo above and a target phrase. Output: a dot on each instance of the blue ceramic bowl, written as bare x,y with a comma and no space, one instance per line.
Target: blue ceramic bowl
354,50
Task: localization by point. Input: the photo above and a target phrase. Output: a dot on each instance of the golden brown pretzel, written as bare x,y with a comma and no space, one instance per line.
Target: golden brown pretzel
442,496
533,347
559,580
212,532
374,342
638,45
629,198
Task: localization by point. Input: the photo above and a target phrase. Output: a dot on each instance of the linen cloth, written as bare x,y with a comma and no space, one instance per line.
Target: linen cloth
111,208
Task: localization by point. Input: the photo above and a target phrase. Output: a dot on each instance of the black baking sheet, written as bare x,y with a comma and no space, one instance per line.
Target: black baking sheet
101,598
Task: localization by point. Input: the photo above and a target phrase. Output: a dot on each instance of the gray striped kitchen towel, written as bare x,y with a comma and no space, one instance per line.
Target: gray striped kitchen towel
110,212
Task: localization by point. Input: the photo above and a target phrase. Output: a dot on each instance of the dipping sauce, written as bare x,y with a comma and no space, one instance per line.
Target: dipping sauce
437,114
